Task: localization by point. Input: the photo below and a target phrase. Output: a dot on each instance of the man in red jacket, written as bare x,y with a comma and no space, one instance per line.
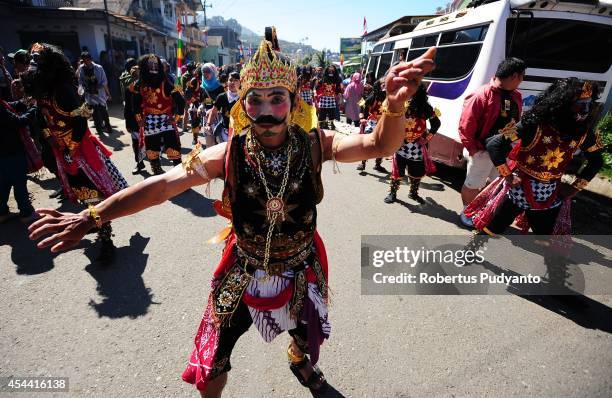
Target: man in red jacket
489,109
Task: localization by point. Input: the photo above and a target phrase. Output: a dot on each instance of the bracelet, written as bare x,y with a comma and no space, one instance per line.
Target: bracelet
384,108
580,183
93,213
504,170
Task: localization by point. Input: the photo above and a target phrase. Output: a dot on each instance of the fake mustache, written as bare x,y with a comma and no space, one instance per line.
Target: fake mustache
268,119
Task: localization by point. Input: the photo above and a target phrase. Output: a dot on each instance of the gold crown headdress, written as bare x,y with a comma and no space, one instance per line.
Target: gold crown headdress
266,69
587,91
36,48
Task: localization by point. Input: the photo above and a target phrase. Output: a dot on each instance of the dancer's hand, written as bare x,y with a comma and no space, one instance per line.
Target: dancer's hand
403,79
66,230
513,180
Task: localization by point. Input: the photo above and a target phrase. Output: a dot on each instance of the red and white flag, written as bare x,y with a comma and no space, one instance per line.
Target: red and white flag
365,26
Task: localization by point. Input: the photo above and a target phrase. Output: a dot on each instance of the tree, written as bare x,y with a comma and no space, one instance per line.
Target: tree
306,60
321,58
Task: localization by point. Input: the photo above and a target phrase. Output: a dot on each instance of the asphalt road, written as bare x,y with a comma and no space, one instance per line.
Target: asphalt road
127,330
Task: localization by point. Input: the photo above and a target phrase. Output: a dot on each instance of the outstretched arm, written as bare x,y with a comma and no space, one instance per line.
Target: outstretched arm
401,84
67,229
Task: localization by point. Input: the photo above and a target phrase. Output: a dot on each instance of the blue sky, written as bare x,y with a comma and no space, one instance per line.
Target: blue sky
322,22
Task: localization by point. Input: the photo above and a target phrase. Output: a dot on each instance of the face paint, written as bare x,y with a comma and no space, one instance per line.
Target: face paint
267,102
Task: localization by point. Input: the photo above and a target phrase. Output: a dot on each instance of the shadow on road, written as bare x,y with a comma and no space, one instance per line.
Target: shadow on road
576,307
329,392
198,204
433,209
120,284
24,254
111,140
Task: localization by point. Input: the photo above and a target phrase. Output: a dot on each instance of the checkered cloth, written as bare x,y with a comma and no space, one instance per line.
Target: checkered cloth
541,192
307,96
411,151
118,180
155,124
369,127
327,102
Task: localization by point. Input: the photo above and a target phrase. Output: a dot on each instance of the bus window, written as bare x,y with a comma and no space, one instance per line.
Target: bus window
378,48
578,45
462,36
424,41
400,55
385,63
453,62
373,63
389,46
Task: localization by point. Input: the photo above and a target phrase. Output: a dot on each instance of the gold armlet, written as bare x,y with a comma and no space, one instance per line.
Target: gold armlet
384,109
335,144
192,162
83,111
580,183
93,214
504,170
46,133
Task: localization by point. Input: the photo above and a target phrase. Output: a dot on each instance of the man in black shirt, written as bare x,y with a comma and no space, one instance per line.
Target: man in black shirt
223,104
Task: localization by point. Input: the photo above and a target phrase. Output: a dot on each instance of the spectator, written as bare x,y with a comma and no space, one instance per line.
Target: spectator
485,112
352,96
93,84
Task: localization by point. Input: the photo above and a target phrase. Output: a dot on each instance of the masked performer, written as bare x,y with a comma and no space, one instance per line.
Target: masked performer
327,90
129,114
305,81
560,122
273,273
86,172
193,98
156,102
413,154
371,108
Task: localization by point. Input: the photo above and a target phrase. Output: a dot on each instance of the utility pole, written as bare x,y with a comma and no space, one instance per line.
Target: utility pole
108,33
204,7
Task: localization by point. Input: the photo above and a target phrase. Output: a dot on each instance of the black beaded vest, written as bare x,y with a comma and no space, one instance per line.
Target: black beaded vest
296,226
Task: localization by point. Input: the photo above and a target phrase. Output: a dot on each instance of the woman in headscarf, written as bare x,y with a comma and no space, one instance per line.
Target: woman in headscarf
211,88
352,95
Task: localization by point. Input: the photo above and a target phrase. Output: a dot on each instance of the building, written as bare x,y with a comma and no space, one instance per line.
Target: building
137,26
215,51
231,41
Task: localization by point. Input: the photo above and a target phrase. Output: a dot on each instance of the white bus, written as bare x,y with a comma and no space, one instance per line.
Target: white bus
556,39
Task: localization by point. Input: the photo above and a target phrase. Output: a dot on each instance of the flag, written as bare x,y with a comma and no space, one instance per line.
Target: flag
179,49
341,59
365,26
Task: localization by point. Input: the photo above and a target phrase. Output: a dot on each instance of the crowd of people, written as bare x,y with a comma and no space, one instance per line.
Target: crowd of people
267,126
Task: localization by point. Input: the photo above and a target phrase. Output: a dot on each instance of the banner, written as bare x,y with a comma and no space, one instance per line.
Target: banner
350,46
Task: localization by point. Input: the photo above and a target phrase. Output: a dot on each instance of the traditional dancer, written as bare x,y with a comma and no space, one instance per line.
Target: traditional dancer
193,99
273,272
129,114
561,121
305,78
84,167
413,154
156,102
327,90
371,108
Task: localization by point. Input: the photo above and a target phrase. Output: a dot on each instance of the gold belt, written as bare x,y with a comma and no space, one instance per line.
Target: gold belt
274,267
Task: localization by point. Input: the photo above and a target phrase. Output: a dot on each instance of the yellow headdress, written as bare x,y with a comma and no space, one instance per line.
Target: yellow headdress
587,91
36,48
267,69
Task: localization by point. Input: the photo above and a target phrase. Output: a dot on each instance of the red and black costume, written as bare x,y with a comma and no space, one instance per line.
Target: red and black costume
156,102
84,167
544,145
